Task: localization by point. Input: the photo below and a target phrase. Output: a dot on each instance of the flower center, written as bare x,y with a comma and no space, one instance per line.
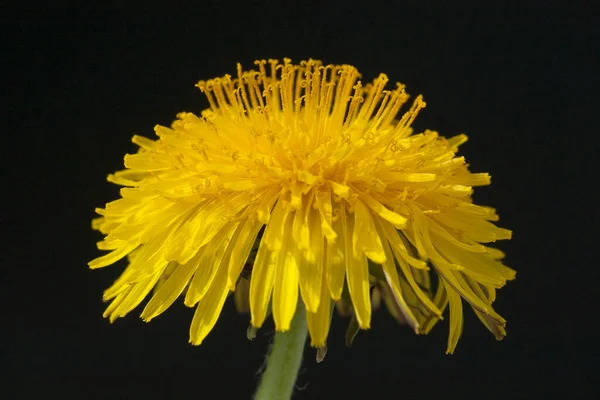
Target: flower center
308,126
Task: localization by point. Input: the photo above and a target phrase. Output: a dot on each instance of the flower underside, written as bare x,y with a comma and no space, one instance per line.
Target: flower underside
340,189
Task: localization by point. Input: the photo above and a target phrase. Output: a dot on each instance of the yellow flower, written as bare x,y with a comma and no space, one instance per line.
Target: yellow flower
336,193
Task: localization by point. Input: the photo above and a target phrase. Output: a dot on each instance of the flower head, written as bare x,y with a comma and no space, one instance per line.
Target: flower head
333,191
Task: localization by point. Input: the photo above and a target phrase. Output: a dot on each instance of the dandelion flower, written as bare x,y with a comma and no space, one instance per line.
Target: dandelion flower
314,187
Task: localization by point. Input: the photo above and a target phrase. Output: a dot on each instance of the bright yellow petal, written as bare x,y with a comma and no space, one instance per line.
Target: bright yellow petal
441,301
147,162
110,310
273,236
171,289
112,257
207,223
357,275
211,261
323,203
454,279
394,218
393,237
263,211
335,267
136,294
263,274
240,252
300,230
319,321
148,261
479,266
392,278
365,238
143,142
310,265
285,289
209,308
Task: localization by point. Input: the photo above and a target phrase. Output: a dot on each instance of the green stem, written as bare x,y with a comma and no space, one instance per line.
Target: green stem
284,360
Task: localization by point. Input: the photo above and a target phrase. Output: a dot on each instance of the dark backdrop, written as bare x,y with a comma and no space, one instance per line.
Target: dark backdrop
520,79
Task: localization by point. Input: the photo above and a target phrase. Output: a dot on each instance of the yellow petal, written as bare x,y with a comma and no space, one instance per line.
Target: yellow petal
497,328
479,266
274,231
285,289
335,260
441,301
341,190
396,219
109,312
320,321
112,257
138,292
454,279
477,229
457,140
391,276
171,289
393,237
263,211
207,223
365,238
456,318
496,254
357,275
126,178
410,177
323,203
399,245
211,260
310,265
300,228
480,179
240,252
209,308
261,282
143,142
148,261
147,162
446,236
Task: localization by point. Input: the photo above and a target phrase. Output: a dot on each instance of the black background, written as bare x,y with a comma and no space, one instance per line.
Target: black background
520,78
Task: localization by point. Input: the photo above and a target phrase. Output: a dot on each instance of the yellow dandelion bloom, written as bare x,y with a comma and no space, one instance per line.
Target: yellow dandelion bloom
326,181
